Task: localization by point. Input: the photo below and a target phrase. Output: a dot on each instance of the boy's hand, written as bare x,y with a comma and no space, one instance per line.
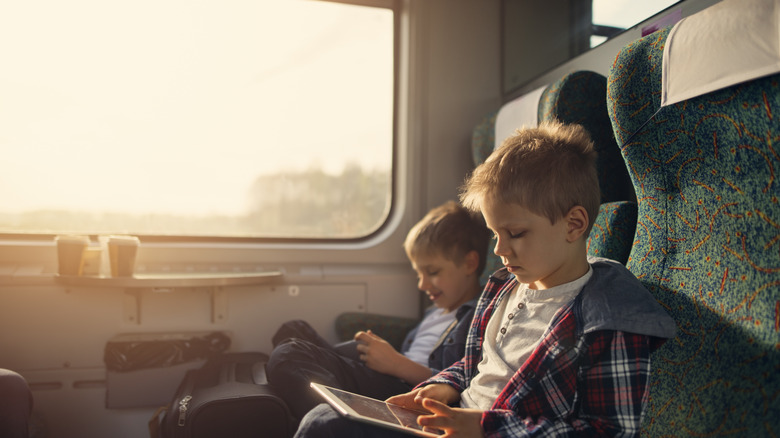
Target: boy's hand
454,422
377,353
440,392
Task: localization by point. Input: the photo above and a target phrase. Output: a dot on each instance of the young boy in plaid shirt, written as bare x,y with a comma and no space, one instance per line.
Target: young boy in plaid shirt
560,343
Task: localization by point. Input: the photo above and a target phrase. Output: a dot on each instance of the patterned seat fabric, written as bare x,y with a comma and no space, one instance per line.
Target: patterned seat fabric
483,138
613,231
707,243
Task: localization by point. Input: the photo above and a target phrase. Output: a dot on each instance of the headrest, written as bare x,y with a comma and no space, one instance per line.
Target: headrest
516,114
580,97
726,44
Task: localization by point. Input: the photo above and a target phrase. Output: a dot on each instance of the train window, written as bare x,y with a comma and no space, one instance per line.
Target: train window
538,36
247,118
611,17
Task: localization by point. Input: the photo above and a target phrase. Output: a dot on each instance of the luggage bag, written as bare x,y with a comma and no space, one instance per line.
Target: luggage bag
228,397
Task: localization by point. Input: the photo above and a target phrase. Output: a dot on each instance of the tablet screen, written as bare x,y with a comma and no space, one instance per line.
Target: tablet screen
372,410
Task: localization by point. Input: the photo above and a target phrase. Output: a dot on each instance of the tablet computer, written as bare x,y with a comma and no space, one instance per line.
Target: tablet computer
373,411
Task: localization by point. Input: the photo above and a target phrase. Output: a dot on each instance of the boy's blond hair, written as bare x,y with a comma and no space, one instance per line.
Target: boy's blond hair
450,231
547,170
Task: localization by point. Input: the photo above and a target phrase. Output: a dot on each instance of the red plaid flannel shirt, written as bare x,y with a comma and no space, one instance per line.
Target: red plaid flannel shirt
573,383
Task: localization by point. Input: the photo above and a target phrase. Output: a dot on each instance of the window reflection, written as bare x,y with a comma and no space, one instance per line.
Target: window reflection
611,17
538,36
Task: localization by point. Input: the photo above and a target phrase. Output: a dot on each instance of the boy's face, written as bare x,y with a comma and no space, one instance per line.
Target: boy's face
446,283
539,253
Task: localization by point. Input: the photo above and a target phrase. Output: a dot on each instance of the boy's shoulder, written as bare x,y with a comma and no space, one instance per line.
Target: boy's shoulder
499,278
495,283
614,273
614,299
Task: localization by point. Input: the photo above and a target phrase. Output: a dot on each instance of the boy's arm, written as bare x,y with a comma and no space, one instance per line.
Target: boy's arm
410,371
613,391
380,356
453,376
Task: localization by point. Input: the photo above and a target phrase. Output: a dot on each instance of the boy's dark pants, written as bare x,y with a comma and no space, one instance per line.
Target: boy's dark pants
324,422
296,362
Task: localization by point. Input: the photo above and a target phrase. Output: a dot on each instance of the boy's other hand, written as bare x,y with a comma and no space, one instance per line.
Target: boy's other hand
440,392
377,353
454,422
407,400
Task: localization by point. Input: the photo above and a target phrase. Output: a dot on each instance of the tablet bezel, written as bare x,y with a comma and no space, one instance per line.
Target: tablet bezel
329,394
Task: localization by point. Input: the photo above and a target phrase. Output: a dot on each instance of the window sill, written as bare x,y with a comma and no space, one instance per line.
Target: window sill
139,281
171,280
167,282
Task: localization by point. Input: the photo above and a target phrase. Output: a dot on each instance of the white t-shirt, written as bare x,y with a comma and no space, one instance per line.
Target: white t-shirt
513,332
429,332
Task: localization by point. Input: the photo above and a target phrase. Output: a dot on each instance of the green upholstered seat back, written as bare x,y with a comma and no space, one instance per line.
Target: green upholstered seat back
580,97
483,138
613,231
707,243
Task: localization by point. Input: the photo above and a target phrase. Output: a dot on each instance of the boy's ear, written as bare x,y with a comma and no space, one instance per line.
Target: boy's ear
577,222
471,261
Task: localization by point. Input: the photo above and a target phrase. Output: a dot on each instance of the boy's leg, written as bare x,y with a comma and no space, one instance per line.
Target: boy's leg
298,329
324,422
295,364
15,405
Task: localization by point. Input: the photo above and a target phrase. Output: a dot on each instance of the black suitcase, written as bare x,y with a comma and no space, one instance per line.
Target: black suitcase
228,397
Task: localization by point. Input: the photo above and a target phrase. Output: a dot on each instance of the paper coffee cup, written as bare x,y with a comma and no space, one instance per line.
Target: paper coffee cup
122,251
70,253
92,261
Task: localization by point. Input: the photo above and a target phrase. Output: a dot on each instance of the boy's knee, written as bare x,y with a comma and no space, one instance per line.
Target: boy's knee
285,356
322,421
294,329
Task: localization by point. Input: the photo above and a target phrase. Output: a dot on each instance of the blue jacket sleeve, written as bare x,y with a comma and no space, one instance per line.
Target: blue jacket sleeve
453,345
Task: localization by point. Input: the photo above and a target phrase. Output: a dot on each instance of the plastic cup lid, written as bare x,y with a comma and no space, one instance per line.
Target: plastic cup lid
72,238
123,240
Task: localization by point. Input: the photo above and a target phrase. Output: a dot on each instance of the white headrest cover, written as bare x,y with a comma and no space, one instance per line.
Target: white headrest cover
726,44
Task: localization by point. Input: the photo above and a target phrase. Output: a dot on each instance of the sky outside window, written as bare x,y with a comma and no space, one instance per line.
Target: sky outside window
178,107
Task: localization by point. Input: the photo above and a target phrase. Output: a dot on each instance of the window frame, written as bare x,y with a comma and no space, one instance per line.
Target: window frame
381,230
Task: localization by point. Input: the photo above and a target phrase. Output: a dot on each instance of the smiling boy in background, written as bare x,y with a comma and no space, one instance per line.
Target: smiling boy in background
447,249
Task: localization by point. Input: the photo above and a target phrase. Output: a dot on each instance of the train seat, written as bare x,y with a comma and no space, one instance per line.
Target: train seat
578,97
707,244
483,138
